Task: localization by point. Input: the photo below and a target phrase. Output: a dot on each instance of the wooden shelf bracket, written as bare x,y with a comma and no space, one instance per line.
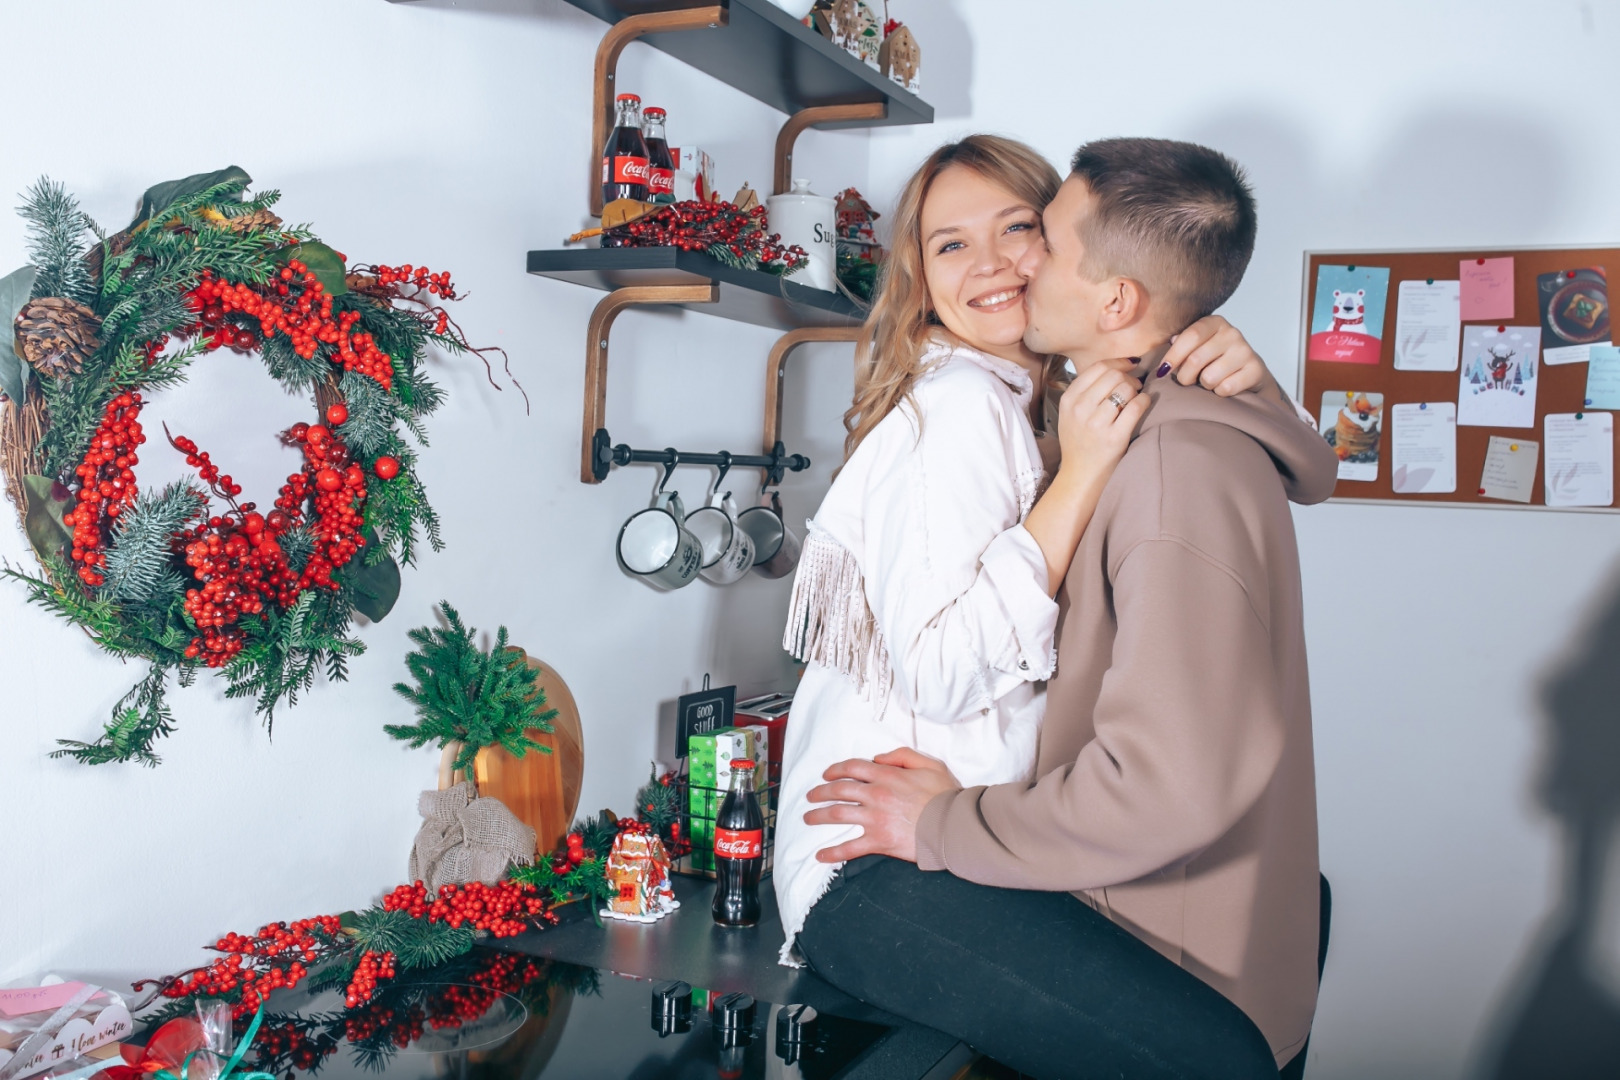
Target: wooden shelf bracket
591,470
618,36
782,181
776,370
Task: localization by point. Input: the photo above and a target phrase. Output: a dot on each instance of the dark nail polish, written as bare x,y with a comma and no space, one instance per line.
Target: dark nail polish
1164,369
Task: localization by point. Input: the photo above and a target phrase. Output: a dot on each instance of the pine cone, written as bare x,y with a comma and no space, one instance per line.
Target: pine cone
56,335
258,219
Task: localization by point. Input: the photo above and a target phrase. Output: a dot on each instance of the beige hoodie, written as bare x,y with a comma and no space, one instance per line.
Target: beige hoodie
1175,786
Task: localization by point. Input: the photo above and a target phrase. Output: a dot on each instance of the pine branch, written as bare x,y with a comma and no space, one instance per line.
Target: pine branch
56,241
464,694
140,717
140,562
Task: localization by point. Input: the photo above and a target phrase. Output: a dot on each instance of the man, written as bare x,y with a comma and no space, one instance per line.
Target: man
1160,875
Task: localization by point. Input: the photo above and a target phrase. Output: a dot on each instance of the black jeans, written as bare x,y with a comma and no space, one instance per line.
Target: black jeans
1039,981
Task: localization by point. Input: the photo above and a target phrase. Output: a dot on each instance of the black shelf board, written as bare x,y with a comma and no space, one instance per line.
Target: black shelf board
749,296
774,58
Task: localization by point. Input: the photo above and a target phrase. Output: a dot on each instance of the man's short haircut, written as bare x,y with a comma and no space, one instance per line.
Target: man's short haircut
1176,216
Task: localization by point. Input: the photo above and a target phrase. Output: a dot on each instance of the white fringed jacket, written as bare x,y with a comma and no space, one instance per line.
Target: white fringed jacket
920,605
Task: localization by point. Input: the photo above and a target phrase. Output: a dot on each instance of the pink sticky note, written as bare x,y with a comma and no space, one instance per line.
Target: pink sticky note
37,998
1487,288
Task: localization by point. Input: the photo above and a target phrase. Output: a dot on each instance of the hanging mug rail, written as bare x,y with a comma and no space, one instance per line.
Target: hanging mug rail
604,455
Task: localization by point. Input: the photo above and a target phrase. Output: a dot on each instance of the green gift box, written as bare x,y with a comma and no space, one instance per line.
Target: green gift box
708,769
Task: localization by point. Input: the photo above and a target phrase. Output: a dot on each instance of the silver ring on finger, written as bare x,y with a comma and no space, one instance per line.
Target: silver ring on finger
1118,400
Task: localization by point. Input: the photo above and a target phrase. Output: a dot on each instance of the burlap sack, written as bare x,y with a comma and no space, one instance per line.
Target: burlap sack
464,838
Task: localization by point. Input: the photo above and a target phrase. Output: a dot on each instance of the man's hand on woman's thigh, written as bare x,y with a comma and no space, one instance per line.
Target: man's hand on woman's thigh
884,796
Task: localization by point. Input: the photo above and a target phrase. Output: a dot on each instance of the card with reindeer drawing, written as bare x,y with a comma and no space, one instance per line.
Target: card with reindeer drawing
1347,323
1497,383
1352,421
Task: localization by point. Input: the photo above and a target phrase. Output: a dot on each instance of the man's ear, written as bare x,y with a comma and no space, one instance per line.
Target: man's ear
1125,305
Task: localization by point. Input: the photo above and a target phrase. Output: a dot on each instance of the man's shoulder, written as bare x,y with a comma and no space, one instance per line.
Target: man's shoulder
1199,482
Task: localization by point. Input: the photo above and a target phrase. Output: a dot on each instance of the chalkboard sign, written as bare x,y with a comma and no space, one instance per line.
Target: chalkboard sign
703,710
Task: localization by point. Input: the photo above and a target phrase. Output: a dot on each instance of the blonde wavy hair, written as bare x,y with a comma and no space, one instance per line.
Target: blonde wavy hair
902,318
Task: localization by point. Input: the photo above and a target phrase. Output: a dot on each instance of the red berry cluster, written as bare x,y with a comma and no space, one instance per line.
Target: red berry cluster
372,966
237,561
392,281
290,1044
277,956
339,490
698,226
402,1029
106,484
294,303
504,909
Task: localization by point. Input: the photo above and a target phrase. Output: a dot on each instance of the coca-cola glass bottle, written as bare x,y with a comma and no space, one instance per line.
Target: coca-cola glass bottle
624,158
660,162
739,851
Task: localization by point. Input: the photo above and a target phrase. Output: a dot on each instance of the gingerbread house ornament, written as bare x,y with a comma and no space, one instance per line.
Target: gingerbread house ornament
856,234
850,25
899,58
638,870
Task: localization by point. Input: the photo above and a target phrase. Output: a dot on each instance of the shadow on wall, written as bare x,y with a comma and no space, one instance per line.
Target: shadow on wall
1563,1017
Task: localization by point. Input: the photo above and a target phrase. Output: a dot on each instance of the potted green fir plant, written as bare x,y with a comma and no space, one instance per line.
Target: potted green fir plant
469,701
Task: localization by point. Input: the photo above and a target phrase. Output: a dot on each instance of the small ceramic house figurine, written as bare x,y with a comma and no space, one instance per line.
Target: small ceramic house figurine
638,870
856,236
900,59
850,25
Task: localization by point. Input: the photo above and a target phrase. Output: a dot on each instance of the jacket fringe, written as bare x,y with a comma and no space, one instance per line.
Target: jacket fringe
829,621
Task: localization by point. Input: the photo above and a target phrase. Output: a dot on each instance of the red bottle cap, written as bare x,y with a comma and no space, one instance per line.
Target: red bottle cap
629,97
742,765
652,111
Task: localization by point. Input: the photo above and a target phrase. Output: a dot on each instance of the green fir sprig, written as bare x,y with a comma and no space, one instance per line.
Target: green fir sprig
467,695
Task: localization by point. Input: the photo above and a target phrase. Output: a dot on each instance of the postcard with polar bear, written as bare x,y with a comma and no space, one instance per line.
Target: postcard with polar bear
1352,421
1497,384
1347,323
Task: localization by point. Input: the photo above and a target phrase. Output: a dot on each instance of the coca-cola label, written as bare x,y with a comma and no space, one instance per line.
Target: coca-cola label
739,843
660,181
626,170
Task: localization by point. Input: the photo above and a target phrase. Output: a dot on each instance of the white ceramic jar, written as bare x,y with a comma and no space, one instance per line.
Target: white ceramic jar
808,220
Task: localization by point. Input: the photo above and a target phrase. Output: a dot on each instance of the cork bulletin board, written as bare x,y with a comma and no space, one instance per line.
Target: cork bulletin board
1560,388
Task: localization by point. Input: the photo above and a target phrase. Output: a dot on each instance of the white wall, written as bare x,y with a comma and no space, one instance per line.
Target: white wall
1374,125
454,134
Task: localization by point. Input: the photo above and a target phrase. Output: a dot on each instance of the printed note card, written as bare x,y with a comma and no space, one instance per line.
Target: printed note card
1580,459
1352,423
1347,323
1428,325
1603,378
1510,469
1487,288
1574,314
1423,447
1497,383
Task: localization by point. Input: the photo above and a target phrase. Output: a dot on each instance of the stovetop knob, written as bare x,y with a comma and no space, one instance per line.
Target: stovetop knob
672,1008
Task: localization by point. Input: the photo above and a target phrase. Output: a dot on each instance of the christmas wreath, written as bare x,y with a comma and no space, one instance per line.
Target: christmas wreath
190,576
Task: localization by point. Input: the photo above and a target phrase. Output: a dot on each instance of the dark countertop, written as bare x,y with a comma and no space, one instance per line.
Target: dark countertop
688,945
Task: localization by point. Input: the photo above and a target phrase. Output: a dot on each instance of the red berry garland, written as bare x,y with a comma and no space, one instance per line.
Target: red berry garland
703,226
106,485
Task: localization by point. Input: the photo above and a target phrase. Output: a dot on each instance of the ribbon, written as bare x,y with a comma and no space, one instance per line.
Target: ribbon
230,1065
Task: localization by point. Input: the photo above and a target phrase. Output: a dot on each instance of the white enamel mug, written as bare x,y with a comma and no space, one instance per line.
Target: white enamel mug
728,551
655,545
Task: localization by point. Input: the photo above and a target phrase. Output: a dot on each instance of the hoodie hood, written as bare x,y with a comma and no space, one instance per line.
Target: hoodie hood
1307,464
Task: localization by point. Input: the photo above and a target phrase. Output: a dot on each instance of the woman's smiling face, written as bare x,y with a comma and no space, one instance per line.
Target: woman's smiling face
974,232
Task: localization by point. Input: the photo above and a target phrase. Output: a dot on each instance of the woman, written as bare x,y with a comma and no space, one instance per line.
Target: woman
923,603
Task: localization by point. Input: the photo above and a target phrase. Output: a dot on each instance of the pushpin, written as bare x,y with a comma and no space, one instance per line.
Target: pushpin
1423,405
1513,447
1482,491
1480,262
1580,416
1431,281
1501,329
1351,268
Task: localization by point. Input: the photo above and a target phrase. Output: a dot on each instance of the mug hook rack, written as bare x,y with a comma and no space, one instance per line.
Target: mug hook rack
776,464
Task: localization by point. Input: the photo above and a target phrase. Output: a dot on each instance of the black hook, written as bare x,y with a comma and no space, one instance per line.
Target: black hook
669,466
725,467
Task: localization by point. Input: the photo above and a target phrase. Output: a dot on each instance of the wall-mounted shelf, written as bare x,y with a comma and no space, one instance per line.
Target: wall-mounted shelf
772,57
750,296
